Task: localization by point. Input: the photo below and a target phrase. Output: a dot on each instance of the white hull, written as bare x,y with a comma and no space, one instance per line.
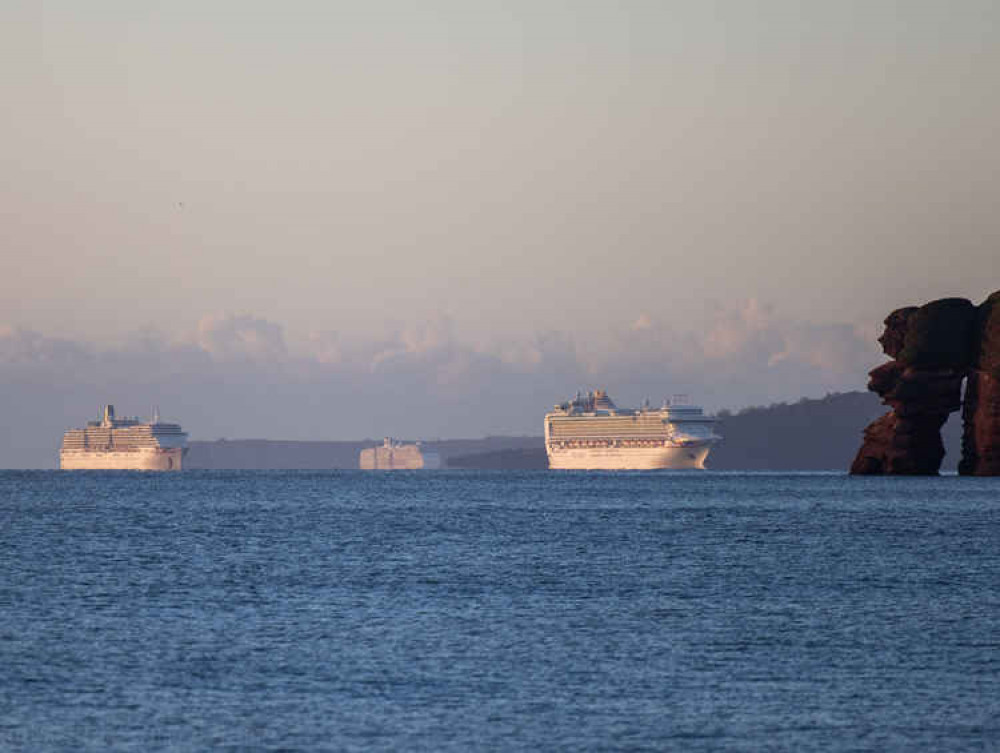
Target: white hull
628,458
135,460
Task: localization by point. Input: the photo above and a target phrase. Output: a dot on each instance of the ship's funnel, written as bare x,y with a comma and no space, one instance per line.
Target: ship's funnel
109,413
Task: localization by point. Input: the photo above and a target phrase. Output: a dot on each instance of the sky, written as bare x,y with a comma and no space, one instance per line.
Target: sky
339,219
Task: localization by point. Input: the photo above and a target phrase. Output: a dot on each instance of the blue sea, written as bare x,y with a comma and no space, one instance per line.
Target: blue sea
461,611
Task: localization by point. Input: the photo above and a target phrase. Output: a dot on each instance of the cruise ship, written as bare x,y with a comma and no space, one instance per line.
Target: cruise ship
397,456
125,444
590,433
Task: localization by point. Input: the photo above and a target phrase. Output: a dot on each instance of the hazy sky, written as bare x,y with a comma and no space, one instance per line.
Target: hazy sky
504,173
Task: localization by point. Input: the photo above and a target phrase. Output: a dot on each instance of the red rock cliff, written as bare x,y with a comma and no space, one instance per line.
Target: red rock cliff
932,349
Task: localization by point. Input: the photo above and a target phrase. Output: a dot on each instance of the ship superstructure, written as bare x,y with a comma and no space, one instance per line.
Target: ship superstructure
127,443
591,432
398,456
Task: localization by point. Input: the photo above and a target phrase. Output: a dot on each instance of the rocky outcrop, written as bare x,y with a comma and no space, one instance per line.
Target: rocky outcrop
933,348
981,413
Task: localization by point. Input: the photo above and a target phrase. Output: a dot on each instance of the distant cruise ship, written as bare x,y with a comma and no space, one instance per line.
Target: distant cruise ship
124,444
589,432
397,456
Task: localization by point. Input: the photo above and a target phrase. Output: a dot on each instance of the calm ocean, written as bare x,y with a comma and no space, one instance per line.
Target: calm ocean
498,611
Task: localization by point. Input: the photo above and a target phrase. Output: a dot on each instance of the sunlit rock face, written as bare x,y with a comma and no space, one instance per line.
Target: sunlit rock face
933,348
981,413
894,335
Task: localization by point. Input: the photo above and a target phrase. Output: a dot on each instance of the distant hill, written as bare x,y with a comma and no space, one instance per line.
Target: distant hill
807,435
273,454
527,459
819,434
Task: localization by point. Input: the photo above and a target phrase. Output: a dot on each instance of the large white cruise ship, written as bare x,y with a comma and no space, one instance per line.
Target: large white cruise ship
126,444
590,433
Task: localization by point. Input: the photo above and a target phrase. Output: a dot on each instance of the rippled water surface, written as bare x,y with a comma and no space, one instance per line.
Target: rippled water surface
498,611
